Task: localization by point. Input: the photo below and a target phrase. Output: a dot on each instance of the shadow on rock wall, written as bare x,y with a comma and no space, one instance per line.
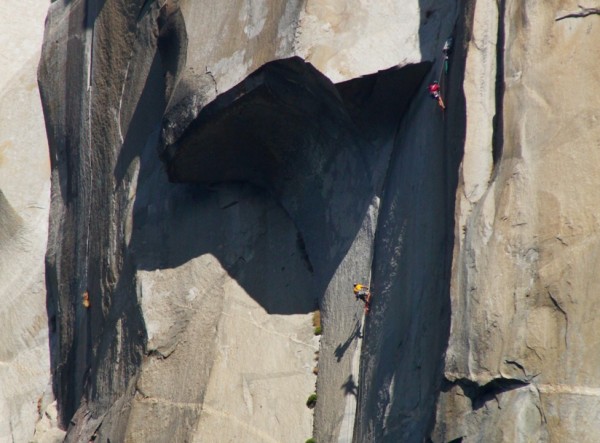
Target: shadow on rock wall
279,173
81,71
280,170
407,331
309,144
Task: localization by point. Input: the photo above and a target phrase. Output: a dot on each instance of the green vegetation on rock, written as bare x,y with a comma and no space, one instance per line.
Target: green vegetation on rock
312,400
317,322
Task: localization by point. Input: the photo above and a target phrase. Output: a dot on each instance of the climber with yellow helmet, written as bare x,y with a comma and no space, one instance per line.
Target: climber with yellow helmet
362,292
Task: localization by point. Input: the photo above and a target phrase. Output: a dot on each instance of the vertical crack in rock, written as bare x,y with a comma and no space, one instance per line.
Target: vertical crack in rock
171,43
498,123
407,330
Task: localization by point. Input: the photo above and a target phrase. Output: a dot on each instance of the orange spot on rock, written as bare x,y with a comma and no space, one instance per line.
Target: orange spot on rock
86,299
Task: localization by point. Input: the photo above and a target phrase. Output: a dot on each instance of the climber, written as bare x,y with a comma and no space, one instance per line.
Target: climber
86,299
434,91
447,50
448,46
361,292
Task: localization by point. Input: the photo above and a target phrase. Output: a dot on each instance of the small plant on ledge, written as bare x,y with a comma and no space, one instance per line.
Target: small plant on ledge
312,400
317,322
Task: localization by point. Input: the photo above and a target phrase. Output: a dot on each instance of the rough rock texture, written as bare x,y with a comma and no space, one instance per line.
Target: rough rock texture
25,391
199,295
290,130
520,363
221,170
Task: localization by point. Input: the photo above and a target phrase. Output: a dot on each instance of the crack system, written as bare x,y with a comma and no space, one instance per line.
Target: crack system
583,12
498,120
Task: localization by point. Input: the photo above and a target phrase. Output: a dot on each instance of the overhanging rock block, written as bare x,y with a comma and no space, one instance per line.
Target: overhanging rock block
289,129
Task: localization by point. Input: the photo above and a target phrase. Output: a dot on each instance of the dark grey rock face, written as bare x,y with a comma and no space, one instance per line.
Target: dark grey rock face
99,108
407,330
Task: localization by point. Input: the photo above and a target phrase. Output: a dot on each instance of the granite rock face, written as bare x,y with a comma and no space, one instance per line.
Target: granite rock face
322,152
520,363
222,170
183,310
